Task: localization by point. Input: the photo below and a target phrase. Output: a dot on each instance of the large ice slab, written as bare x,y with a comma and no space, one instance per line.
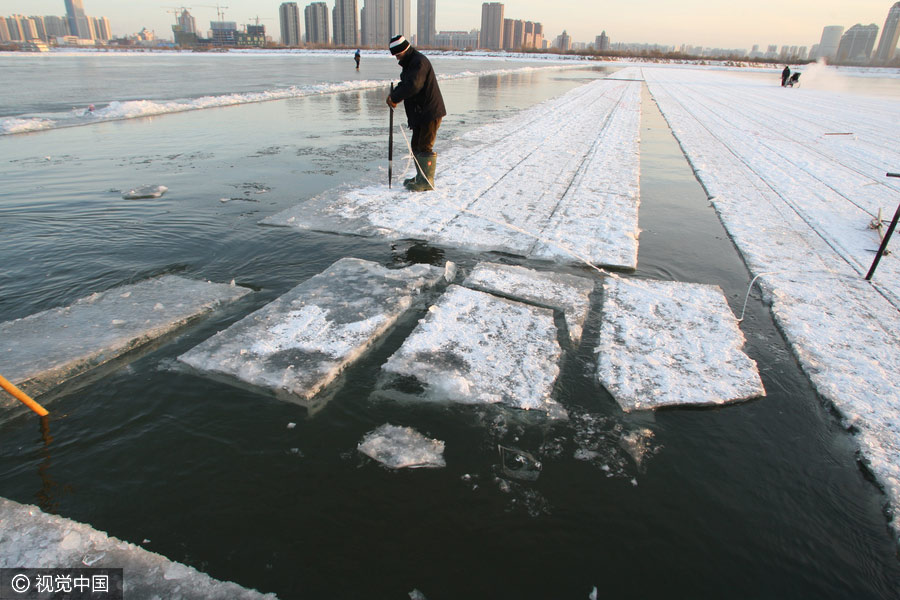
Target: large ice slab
45,349
299,343
33,539
402,448
475,348
569,294
665,343
541,184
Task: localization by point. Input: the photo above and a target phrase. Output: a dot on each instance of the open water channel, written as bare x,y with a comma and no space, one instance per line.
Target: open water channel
763,499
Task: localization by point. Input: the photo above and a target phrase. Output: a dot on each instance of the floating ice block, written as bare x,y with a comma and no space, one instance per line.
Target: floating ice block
45,349
145,191
665,343
569,294
475,348
31,538
402,447
294,346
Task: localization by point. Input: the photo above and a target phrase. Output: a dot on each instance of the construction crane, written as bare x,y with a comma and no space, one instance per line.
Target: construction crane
257,18
220,10
174,10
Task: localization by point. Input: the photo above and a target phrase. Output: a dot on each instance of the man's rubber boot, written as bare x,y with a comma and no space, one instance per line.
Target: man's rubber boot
425,168
410,180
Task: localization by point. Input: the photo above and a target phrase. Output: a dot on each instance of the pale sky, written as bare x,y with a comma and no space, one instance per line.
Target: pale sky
711,23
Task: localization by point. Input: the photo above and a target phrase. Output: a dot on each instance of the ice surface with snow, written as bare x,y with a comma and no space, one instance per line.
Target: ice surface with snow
43,350
145,191
797,200
402,448
568,294
30,538
297,344
666,343
476,348
559,182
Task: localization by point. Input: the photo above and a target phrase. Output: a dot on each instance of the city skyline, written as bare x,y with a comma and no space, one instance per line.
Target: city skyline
709,23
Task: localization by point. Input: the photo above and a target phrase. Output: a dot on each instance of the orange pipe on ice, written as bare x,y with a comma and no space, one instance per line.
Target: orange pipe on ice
22,397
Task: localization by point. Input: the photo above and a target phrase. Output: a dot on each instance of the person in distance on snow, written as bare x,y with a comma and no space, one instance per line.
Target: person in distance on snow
418,90
785,75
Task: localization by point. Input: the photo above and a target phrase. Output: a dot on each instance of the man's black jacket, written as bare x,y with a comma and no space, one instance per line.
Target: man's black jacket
418,89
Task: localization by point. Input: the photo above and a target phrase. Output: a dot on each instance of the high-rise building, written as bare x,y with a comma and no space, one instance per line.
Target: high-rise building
538,36
345,16
375,23
831,39
79,25
14,28
4,31
224,33
316,17
601,44
492,25
857,43
101,28
508,41
564,41
400,18
289,19
425,22
890,33
187,22
56,26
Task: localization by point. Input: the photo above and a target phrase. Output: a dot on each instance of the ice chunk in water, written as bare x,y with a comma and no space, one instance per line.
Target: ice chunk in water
402,447
45,349
145,191
666,343
475,348
35,539
299,343
569,294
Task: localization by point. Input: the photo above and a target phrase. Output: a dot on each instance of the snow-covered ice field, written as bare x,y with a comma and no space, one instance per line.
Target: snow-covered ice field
797,176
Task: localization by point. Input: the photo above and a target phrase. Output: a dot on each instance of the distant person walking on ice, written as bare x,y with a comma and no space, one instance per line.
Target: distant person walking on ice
418,90
785,75
356,58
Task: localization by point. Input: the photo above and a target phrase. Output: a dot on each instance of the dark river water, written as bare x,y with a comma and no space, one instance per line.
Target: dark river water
762,499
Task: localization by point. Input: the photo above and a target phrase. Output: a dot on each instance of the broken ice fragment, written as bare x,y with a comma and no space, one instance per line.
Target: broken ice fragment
402,447
672,343
566,293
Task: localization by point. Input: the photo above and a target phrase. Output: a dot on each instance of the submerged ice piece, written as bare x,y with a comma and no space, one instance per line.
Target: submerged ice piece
567,293
45,349
475,348
665,343
36,539
299,343
402,447
145,191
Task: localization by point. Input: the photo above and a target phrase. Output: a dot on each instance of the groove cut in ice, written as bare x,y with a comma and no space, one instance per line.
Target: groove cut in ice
45,349
475,348
568,294
665,343
32,538
402,448
294,346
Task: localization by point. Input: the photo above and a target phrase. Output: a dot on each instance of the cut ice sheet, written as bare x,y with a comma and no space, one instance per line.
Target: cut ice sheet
33,538
475,348
509,187
402,448
296,345
569,294
666,343
46,349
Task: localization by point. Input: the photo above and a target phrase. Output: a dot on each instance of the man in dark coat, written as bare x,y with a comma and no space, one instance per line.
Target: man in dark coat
418,90
785,75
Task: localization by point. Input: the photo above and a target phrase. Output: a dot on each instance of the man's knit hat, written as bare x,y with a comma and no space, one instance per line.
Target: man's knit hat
398,44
